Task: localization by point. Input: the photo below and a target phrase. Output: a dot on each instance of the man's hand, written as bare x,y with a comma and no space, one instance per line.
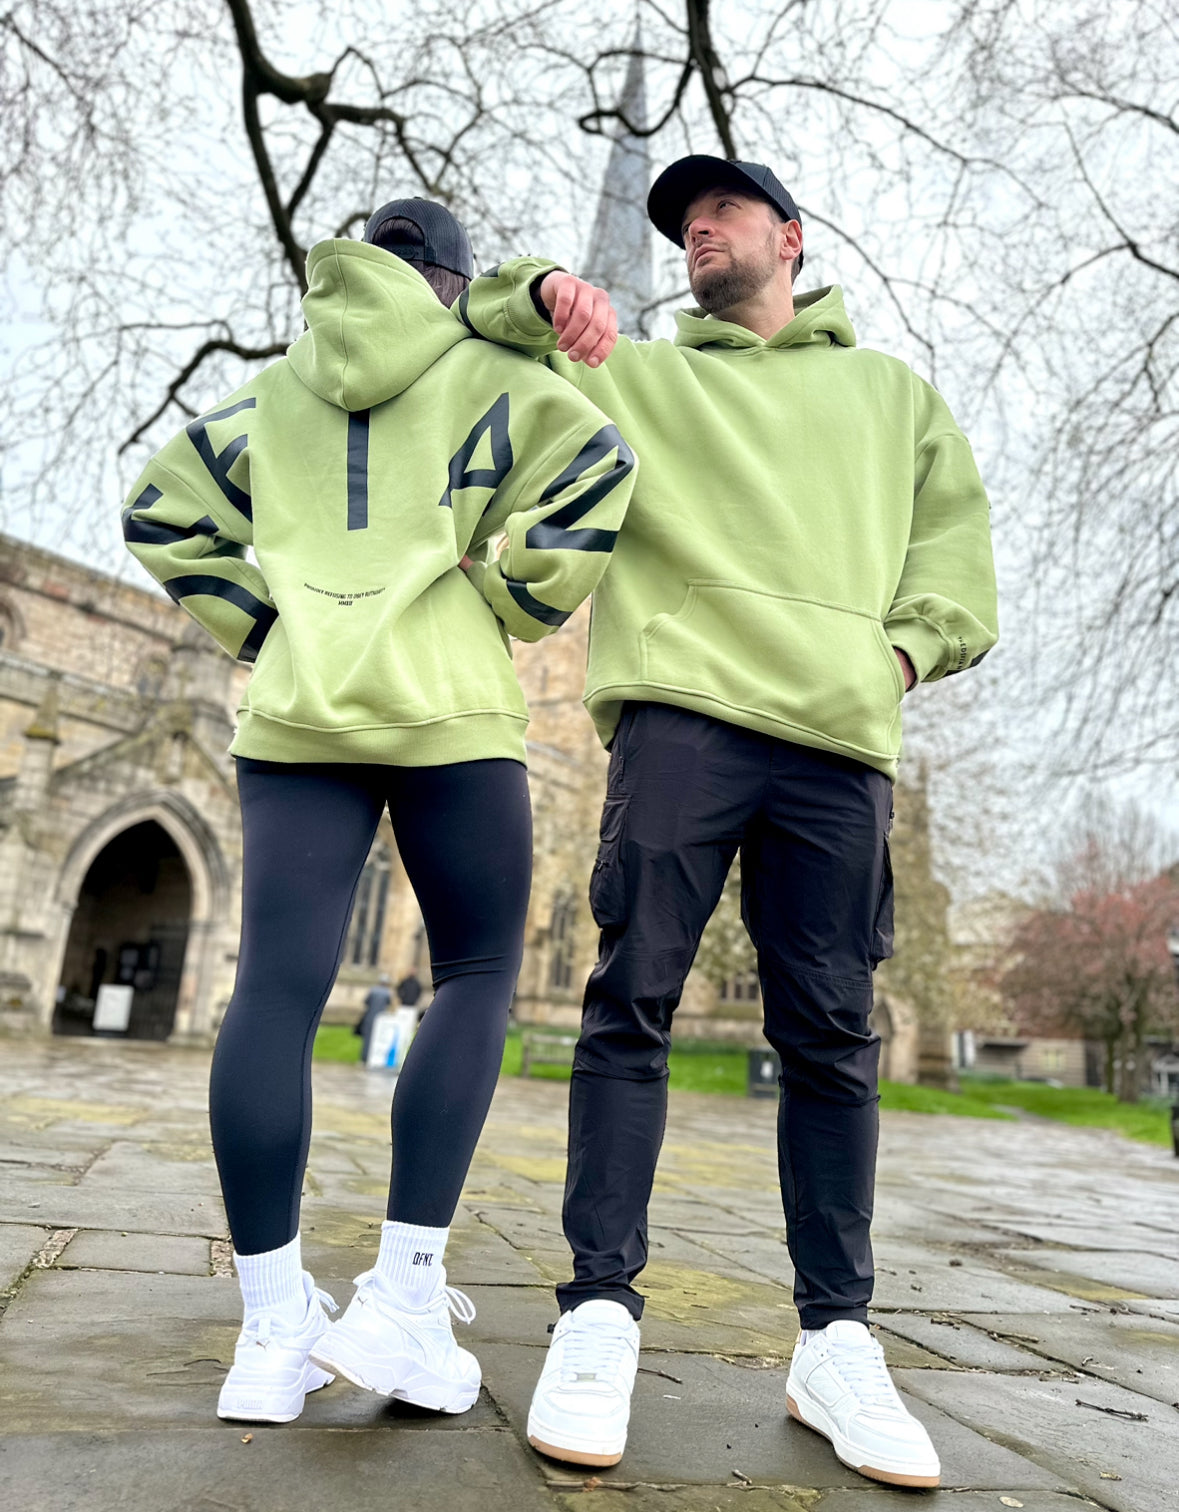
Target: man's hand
582,317
465,563
908,671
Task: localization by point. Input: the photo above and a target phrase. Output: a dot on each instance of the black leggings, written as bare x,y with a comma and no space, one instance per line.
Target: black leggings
464,833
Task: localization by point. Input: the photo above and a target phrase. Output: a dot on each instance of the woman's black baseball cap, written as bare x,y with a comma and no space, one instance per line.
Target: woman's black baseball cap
433,236
678,185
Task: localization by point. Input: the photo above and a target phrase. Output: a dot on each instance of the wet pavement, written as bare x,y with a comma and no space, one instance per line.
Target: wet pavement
1028,1301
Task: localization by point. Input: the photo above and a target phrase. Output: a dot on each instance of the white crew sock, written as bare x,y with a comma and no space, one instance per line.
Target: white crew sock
810,1333
410,1259
272,1281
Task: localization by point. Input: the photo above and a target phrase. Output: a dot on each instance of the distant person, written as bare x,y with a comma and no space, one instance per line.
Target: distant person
809,537
376,1000
409,990
370,469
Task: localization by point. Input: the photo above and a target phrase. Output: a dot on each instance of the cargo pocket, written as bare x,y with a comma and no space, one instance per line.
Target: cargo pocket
884,923
607,892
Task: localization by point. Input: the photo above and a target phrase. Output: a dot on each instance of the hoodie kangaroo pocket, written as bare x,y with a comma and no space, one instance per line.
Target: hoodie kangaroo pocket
818,667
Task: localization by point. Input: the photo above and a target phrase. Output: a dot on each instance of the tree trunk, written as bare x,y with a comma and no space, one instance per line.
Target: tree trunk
1132,1060
1109,1065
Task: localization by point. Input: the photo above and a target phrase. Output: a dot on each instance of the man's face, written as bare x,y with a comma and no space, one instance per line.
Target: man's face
733,242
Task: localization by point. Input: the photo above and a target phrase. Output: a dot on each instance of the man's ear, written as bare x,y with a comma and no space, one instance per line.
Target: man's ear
790,245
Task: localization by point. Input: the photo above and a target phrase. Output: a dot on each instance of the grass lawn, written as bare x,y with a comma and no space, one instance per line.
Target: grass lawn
336,1042
903,1097
1148,1121
698,1067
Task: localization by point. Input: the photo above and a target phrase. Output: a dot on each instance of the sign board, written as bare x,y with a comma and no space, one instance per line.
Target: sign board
391,1038
112,1011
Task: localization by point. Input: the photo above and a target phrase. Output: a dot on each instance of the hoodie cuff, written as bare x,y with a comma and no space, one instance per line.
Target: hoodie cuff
525,309
922,643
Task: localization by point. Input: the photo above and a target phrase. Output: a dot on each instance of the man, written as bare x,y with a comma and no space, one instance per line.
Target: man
376,1000
808,538
409,989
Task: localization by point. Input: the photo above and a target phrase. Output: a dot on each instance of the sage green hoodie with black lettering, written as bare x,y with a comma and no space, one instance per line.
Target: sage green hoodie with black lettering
361,468
804,507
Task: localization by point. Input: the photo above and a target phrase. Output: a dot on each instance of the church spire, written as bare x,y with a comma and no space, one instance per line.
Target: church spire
619,253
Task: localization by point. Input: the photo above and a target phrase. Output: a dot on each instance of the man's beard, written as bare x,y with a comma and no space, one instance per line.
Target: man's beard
731,284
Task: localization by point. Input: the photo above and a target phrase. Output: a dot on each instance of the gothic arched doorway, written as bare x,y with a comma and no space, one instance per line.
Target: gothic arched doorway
130,928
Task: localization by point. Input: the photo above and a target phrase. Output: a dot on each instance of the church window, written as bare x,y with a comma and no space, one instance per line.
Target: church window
562,941
741,987
10,627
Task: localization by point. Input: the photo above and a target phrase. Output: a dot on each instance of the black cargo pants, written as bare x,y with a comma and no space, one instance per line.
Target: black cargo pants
685,793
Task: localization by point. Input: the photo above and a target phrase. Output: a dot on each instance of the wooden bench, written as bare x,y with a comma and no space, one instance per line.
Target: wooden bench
546,1047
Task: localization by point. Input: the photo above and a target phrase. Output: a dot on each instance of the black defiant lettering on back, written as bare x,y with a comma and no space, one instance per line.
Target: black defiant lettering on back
219,463
155,532
180,588
462,475
358,469
554,533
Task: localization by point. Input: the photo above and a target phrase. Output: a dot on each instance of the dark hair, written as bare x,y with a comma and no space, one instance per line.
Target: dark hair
447,285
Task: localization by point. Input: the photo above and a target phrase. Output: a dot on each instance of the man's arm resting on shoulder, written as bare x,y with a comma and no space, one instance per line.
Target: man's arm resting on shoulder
538,309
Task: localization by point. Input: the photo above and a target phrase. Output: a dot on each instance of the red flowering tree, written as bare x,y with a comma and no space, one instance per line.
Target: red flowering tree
1097,965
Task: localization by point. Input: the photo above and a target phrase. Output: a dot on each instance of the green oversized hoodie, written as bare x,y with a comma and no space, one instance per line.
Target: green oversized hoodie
361,468
804,506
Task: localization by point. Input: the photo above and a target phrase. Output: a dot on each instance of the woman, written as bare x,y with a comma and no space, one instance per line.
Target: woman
386,449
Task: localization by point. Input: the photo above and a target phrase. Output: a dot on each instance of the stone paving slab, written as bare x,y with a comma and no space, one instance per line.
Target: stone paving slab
1156,1307
970,1344
85,1298
71,1158
1085,1236
99,1249
1149,1275
674,1210
765,1256
173,1167
18,1244
144,1212
484,1470
1141,1354
912,1278
1041,1421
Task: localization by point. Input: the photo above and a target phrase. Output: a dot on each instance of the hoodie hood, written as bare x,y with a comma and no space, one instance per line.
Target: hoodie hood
819,320
374,325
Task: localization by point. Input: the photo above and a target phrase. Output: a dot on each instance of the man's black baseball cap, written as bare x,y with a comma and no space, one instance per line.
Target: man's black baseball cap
677,186
433,236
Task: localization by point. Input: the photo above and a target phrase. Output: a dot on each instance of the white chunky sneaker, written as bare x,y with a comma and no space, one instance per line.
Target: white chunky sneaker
840,1386
385,1345
271,1371
581,1405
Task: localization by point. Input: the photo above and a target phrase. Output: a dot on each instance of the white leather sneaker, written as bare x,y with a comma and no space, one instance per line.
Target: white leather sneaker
581,1405
402,1351
840,1386
272,1371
